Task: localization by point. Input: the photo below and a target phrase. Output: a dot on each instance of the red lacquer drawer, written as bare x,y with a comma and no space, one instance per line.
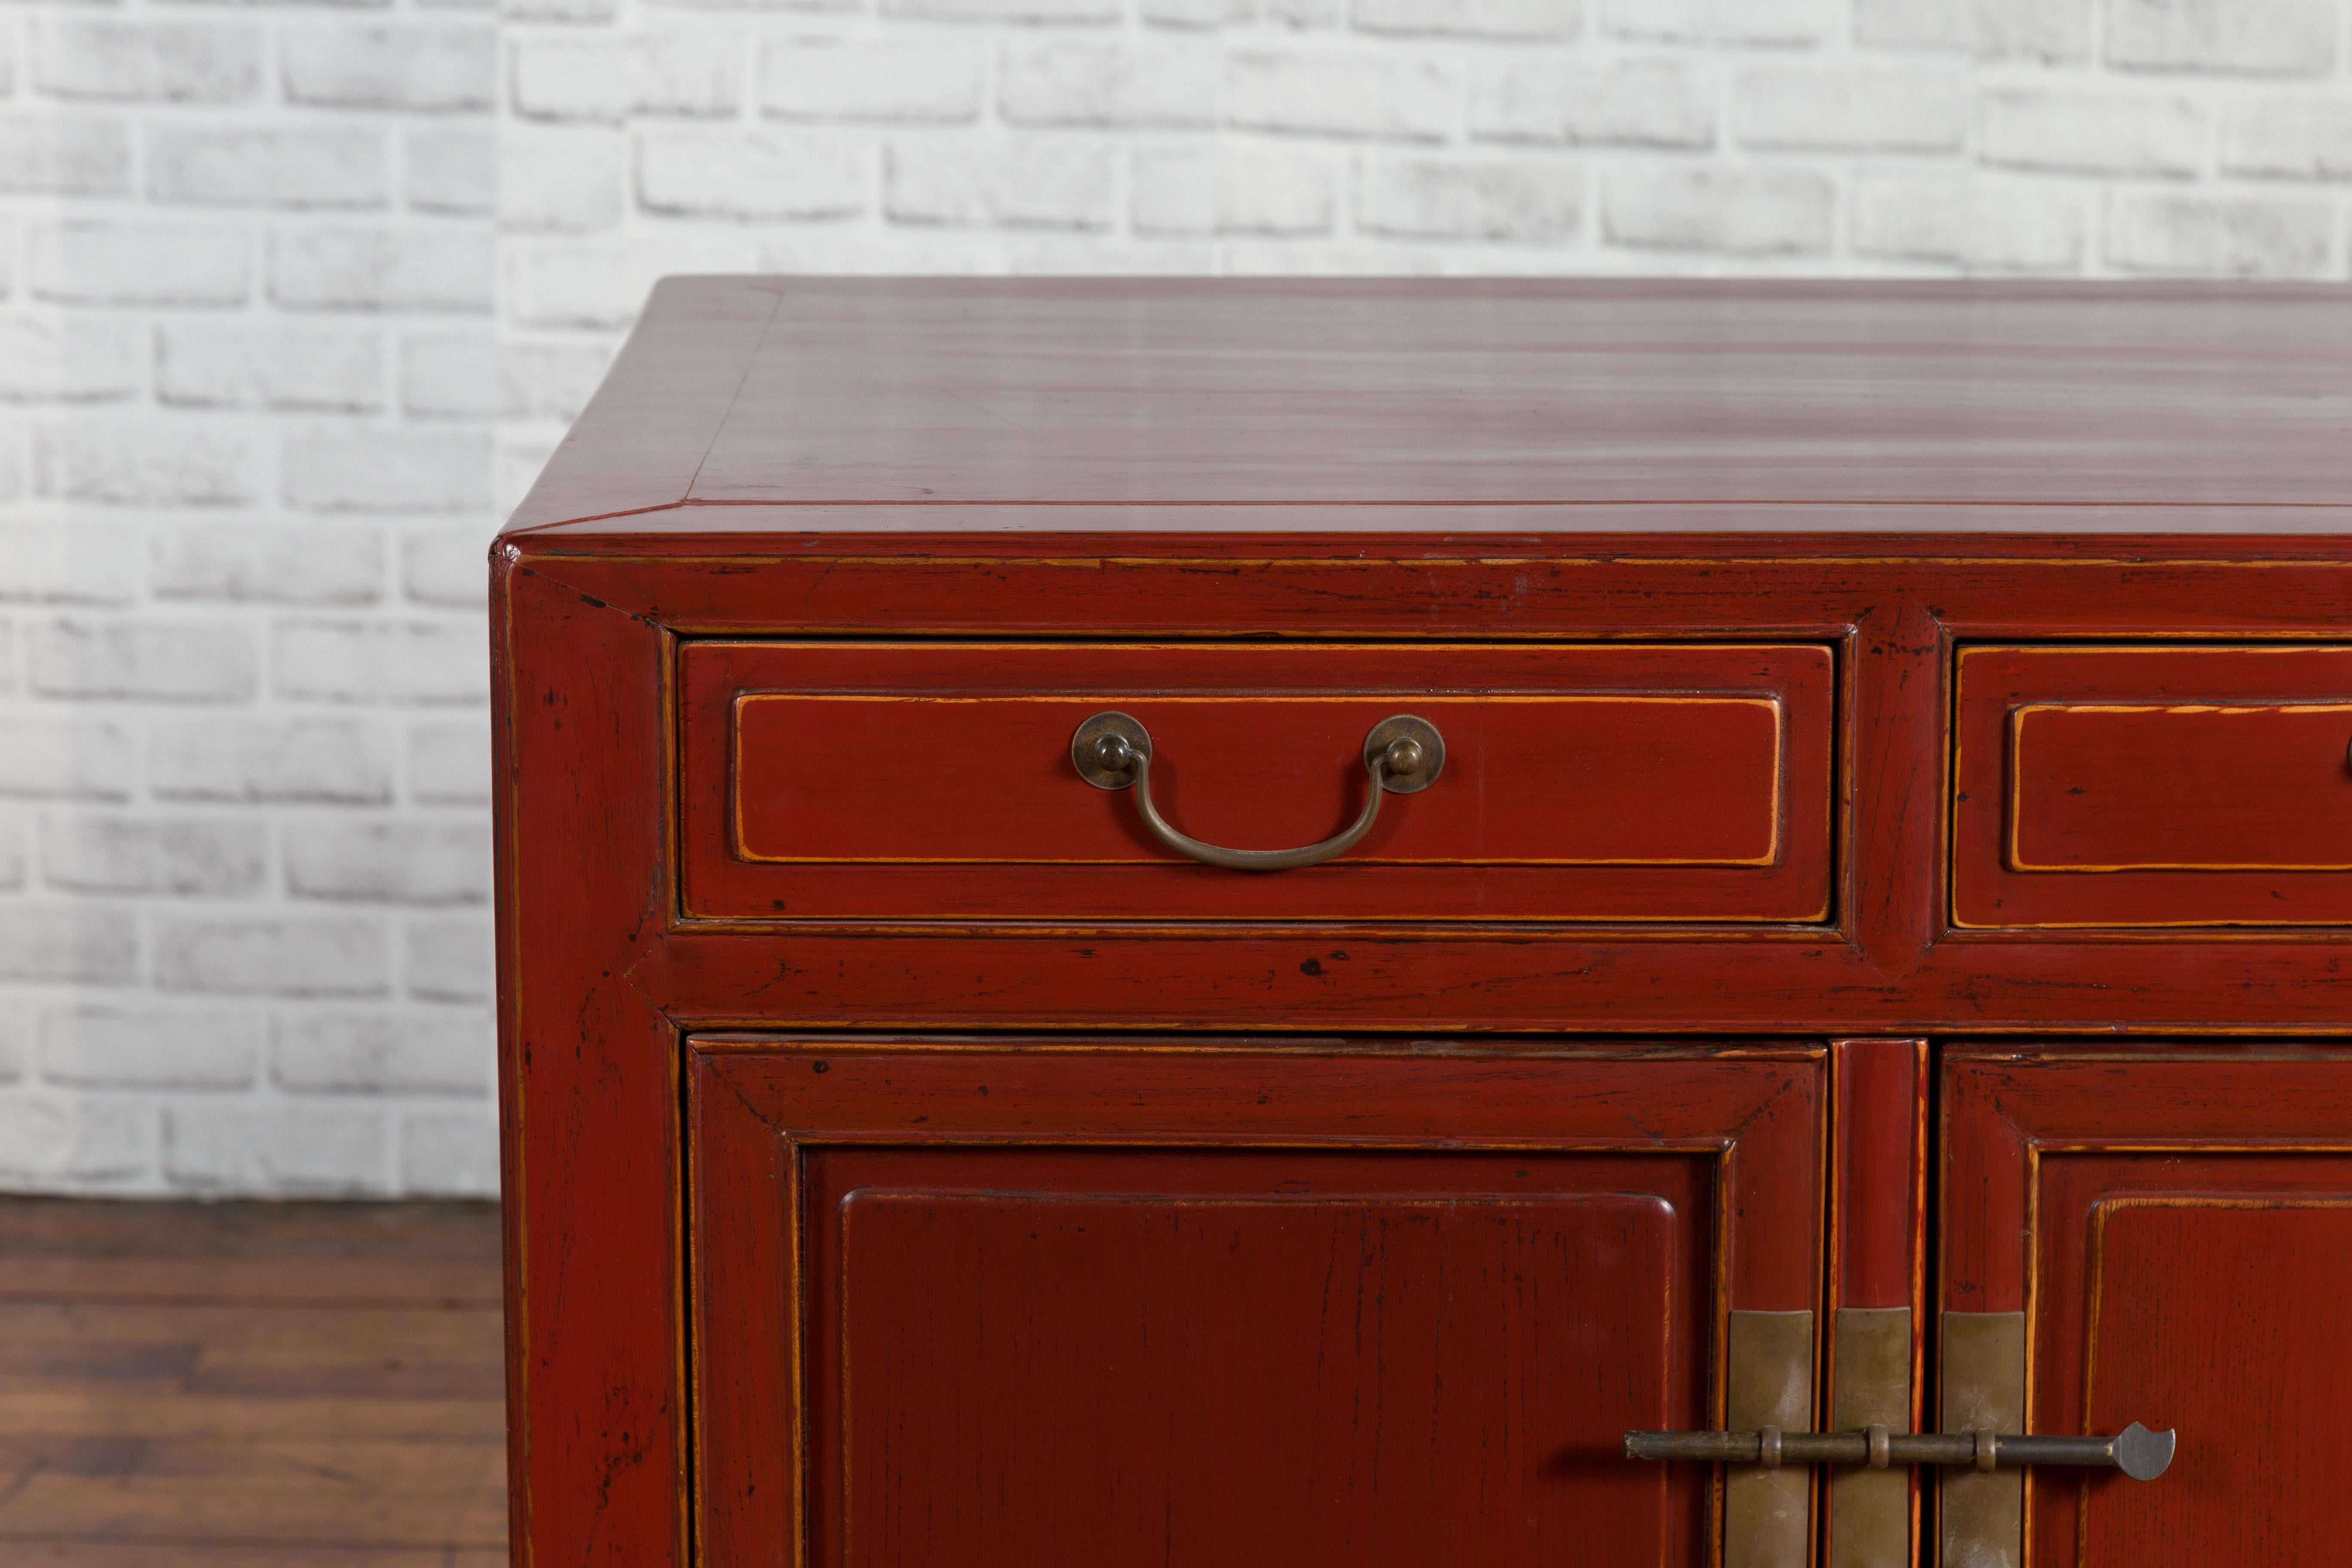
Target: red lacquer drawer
918,781
2153,786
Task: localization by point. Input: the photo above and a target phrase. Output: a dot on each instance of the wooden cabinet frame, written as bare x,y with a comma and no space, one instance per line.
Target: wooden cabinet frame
602,978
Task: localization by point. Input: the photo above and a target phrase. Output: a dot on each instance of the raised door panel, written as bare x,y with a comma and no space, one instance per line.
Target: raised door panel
1026,1308
2177,1234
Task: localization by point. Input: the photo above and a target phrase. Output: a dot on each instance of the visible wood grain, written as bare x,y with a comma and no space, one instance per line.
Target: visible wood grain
2153,786
1877,1249
1063,390
320,1408
1088,1304
1295,467
934,781
588,1088
2185,1219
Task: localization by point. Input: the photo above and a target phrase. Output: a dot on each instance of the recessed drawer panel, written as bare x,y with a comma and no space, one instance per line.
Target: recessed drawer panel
928,781
2153,786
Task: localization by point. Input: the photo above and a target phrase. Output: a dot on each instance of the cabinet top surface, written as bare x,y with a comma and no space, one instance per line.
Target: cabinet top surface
795,405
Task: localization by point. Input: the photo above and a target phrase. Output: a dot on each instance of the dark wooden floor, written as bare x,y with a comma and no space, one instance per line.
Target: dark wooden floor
250,1385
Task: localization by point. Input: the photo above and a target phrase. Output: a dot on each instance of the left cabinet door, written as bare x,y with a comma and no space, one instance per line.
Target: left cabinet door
1060,1304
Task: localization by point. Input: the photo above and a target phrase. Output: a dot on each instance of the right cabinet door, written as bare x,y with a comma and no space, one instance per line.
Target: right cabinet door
2162,1237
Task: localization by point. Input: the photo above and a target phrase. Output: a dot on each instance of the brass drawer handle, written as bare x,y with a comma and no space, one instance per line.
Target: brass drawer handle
1402,755
2136,1451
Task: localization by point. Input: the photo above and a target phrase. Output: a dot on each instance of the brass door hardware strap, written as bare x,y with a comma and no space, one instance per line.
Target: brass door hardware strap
2136,1451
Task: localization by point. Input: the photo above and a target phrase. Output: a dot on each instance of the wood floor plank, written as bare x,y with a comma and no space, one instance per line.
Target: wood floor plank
250,1385
313,1282
67,1407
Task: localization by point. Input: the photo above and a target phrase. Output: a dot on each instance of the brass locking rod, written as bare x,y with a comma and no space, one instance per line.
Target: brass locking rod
2136,1451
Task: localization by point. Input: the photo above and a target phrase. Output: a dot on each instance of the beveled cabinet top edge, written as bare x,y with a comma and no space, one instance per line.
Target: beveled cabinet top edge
1255,405
1839,531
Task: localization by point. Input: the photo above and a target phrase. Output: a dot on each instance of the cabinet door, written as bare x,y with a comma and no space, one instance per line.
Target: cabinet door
2172,1234
1062,1305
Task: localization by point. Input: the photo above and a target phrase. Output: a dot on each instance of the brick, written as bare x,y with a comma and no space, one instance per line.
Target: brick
450,961
449,765
446,268
207,365
76,942
572,283
1107,84
897,83
1471,18
2220,236
1194,13
1005,10
271,564
448,567
46,358
145,461
405,862
449,1154
451,169
267,165
76,1141
472,375
15,871
402,68
315,955
1846,110
69,564
2283,138
378,468
1462,198
137,264
214,856
1301,15
2058,31
439,1052
305,760
611,76
1017,184
567,179
146,1047
1230,190
296,1149
1769,22
1545,98
54,155
1978,222
68,759
737,173
161,661
2091,132
197,62
16,1045
2256,37
1729,211
557,10
382,661
522,457
457,375
1396,97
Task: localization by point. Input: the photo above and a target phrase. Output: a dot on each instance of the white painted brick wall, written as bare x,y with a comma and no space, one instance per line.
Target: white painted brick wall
295,299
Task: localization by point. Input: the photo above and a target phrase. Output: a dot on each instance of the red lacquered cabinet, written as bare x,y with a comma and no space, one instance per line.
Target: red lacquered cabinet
1351,925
